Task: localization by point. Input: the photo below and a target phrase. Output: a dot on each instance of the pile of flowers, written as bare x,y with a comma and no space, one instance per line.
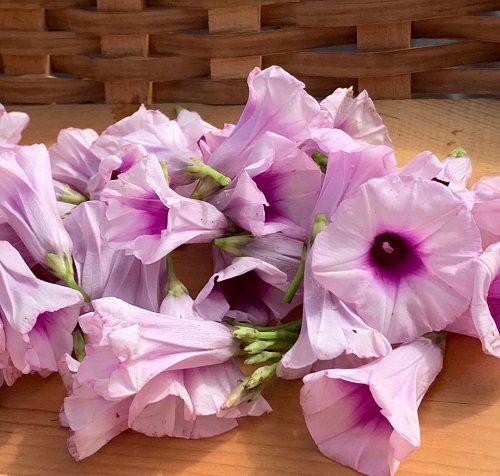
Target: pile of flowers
305,206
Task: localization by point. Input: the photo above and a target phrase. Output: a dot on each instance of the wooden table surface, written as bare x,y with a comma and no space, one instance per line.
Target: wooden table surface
460,415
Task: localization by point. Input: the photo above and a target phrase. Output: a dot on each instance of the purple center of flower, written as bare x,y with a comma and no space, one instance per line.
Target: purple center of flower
493,300
393,256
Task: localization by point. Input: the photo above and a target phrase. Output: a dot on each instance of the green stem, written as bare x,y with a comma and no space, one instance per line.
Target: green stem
202,170
297,279
259,346
458,152
233,244
63,269
79,341
205,187
292,326
174,285
69,279
262,357
250,388
247,334
71,196
320,159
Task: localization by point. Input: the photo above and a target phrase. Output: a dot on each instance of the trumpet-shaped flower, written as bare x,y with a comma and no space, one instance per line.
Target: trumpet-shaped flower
388,253
366,417
158,135
102,271
123,337
276,192
277,103
28,202
148,219
261,301
157,374
37,317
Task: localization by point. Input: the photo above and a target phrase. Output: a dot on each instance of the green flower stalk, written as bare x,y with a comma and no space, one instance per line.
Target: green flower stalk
70,195
320,159
210,180
260,344
63,269
320,223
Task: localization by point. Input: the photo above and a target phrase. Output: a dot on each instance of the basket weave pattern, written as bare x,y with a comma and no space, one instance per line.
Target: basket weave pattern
71,51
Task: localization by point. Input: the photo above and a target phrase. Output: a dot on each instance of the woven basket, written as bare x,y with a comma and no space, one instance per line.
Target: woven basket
128,51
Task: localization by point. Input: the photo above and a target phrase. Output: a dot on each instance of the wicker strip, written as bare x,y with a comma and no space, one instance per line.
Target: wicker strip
386,63
249,44
202,50
127,23
48,42
346,12
457,81
44,90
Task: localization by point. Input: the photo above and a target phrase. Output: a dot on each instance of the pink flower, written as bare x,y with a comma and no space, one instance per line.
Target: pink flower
11,125
157,135
71,160
148,219
276,249
158,374
123,337
277,103
366,417
28,202
261,301
102,271
387,252
276,192
356,116
485,305
37,317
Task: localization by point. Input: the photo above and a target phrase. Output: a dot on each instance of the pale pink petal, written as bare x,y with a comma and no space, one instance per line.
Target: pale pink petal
264,287
329,329
11,125
71,160
102,271
485,308
486,213
277,103
424,165
167,343
429,283
366,417
28,202
347,170
23,297
356,116
93,421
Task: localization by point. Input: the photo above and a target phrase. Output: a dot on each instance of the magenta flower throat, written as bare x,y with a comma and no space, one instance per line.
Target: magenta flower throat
393,256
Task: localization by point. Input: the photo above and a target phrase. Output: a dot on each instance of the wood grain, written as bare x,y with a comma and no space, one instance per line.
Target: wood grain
459,416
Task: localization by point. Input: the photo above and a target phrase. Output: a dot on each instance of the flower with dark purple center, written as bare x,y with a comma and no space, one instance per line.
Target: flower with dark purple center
400,251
